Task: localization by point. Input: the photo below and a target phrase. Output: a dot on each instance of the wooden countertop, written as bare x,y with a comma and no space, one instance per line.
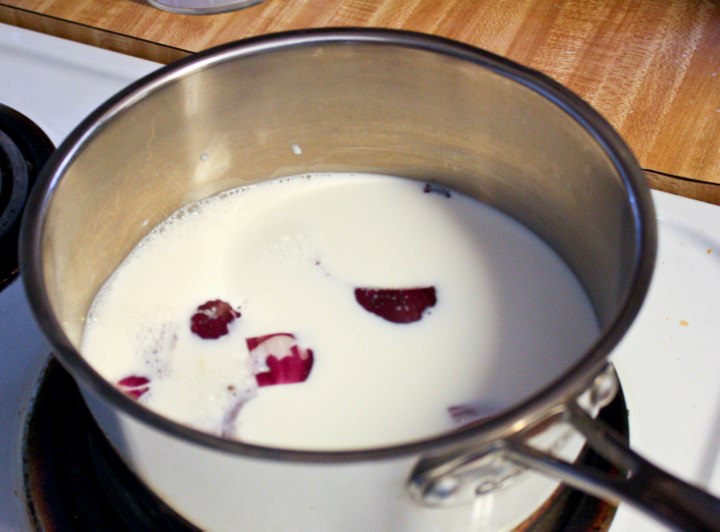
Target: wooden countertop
651,67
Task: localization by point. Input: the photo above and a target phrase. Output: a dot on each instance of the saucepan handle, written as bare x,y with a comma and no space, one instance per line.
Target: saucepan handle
638,482
462,474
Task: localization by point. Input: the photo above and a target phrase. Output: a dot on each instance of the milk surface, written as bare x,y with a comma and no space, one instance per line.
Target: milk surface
288,255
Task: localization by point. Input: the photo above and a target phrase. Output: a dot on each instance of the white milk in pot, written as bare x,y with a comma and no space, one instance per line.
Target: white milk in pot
337,311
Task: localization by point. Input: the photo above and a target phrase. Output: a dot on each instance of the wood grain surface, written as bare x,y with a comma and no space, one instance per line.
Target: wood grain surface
651,67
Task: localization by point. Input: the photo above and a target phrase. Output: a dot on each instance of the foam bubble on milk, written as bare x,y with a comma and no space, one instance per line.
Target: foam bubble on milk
288,254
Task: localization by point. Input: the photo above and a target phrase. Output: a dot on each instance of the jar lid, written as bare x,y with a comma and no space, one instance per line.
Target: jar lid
201,7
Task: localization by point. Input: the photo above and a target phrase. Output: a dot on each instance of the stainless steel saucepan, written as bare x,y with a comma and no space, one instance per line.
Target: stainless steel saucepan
366,100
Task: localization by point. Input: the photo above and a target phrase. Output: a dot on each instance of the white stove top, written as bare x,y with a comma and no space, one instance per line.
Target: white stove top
668,363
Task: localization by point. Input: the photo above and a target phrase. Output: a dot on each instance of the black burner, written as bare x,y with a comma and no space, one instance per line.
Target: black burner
74,481
24,148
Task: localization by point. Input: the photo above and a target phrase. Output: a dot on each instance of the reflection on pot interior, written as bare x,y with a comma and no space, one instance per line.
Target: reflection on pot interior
337,311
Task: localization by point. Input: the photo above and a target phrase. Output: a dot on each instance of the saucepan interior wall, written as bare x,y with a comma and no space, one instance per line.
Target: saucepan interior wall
237,118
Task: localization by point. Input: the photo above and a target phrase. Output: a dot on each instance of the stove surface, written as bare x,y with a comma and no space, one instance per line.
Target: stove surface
667,363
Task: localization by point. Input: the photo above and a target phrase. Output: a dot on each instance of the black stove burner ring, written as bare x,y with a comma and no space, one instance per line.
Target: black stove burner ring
13,184
24,148
75,481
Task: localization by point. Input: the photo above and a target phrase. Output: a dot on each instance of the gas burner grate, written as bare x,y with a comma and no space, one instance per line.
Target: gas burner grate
75,481
24,148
